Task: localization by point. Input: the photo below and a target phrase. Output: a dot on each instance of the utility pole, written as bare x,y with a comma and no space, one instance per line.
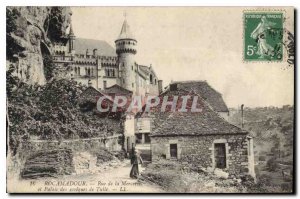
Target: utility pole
242,109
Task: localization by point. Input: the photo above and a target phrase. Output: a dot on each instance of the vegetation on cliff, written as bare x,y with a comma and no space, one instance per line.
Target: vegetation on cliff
52,112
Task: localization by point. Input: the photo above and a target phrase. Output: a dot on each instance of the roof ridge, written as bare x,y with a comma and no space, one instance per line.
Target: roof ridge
188,81
117,85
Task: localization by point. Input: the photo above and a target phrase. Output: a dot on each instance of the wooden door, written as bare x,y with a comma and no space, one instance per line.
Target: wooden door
173,150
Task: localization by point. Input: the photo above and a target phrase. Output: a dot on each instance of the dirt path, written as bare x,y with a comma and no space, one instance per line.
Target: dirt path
113,179
119,180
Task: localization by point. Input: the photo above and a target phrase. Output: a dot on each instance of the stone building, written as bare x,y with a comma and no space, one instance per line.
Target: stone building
200,139
95,63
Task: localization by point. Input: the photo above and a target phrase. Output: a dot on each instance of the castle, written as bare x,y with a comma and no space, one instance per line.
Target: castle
95,63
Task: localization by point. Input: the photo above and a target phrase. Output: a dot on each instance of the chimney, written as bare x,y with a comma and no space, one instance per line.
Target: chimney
95,54
242,110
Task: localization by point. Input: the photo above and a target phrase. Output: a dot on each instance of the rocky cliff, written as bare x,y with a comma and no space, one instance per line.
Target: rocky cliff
31,32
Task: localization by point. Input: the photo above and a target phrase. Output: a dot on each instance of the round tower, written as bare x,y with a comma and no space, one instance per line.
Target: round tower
126,50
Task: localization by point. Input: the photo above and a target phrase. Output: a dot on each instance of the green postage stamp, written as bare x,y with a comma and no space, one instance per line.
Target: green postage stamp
263,35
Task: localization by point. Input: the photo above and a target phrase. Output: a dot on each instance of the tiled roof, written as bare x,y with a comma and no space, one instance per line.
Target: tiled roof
103,48
202,88
206,122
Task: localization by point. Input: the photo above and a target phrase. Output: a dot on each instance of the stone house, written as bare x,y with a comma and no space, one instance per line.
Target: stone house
200,139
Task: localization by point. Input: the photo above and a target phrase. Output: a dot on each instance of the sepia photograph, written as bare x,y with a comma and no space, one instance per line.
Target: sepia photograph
150,100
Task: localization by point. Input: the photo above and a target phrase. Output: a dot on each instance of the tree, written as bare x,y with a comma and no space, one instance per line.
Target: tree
12,47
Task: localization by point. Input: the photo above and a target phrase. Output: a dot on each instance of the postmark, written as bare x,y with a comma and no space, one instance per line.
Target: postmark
263,36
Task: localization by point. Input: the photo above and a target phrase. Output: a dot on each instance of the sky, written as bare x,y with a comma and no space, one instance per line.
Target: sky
195,43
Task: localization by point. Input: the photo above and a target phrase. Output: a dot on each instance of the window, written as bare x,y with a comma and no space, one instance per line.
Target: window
173,151
151,79
78,71
173,87
220,155
132,85
138,138
147,138
131,67
89,72
104,84
155,81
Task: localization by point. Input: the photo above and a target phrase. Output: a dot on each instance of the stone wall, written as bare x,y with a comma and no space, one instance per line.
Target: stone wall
198,151
110,143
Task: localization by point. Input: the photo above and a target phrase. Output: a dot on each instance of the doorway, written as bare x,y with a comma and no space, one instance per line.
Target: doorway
220,155
173,151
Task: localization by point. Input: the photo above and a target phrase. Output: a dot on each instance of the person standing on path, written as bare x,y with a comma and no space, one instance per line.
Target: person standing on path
135,169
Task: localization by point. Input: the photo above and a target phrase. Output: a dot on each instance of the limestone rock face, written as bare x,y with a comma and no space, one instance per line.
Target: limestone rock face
31,32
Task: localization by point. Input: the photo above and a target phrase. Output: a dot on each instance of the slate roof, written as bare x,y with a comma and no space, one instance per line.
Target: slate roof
202,88
104,49
126,32
90,94
206,122
116,89
145,69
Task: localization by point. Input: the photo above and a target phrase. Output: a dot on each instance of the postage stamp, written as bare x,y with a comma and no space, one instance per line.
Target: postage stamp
263,36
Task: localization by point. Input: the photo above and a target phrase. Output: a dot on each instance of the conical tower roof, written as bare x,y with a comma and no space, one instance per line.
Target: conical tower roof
125,32
71,32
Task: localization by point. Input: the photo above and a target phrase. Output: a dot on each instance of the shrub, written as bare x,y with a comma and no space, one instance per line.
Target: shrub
272,165
264,180
262,158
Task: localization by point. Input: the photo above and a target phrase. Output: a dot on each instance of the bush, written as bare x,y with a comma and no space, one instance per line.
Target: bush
121,155
103,155
264,180
51,112
272,165
172,178
247,180
262,158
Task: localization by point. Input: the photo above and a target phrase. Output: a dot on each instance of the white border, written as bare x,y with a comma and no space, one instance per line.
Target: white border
3,194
